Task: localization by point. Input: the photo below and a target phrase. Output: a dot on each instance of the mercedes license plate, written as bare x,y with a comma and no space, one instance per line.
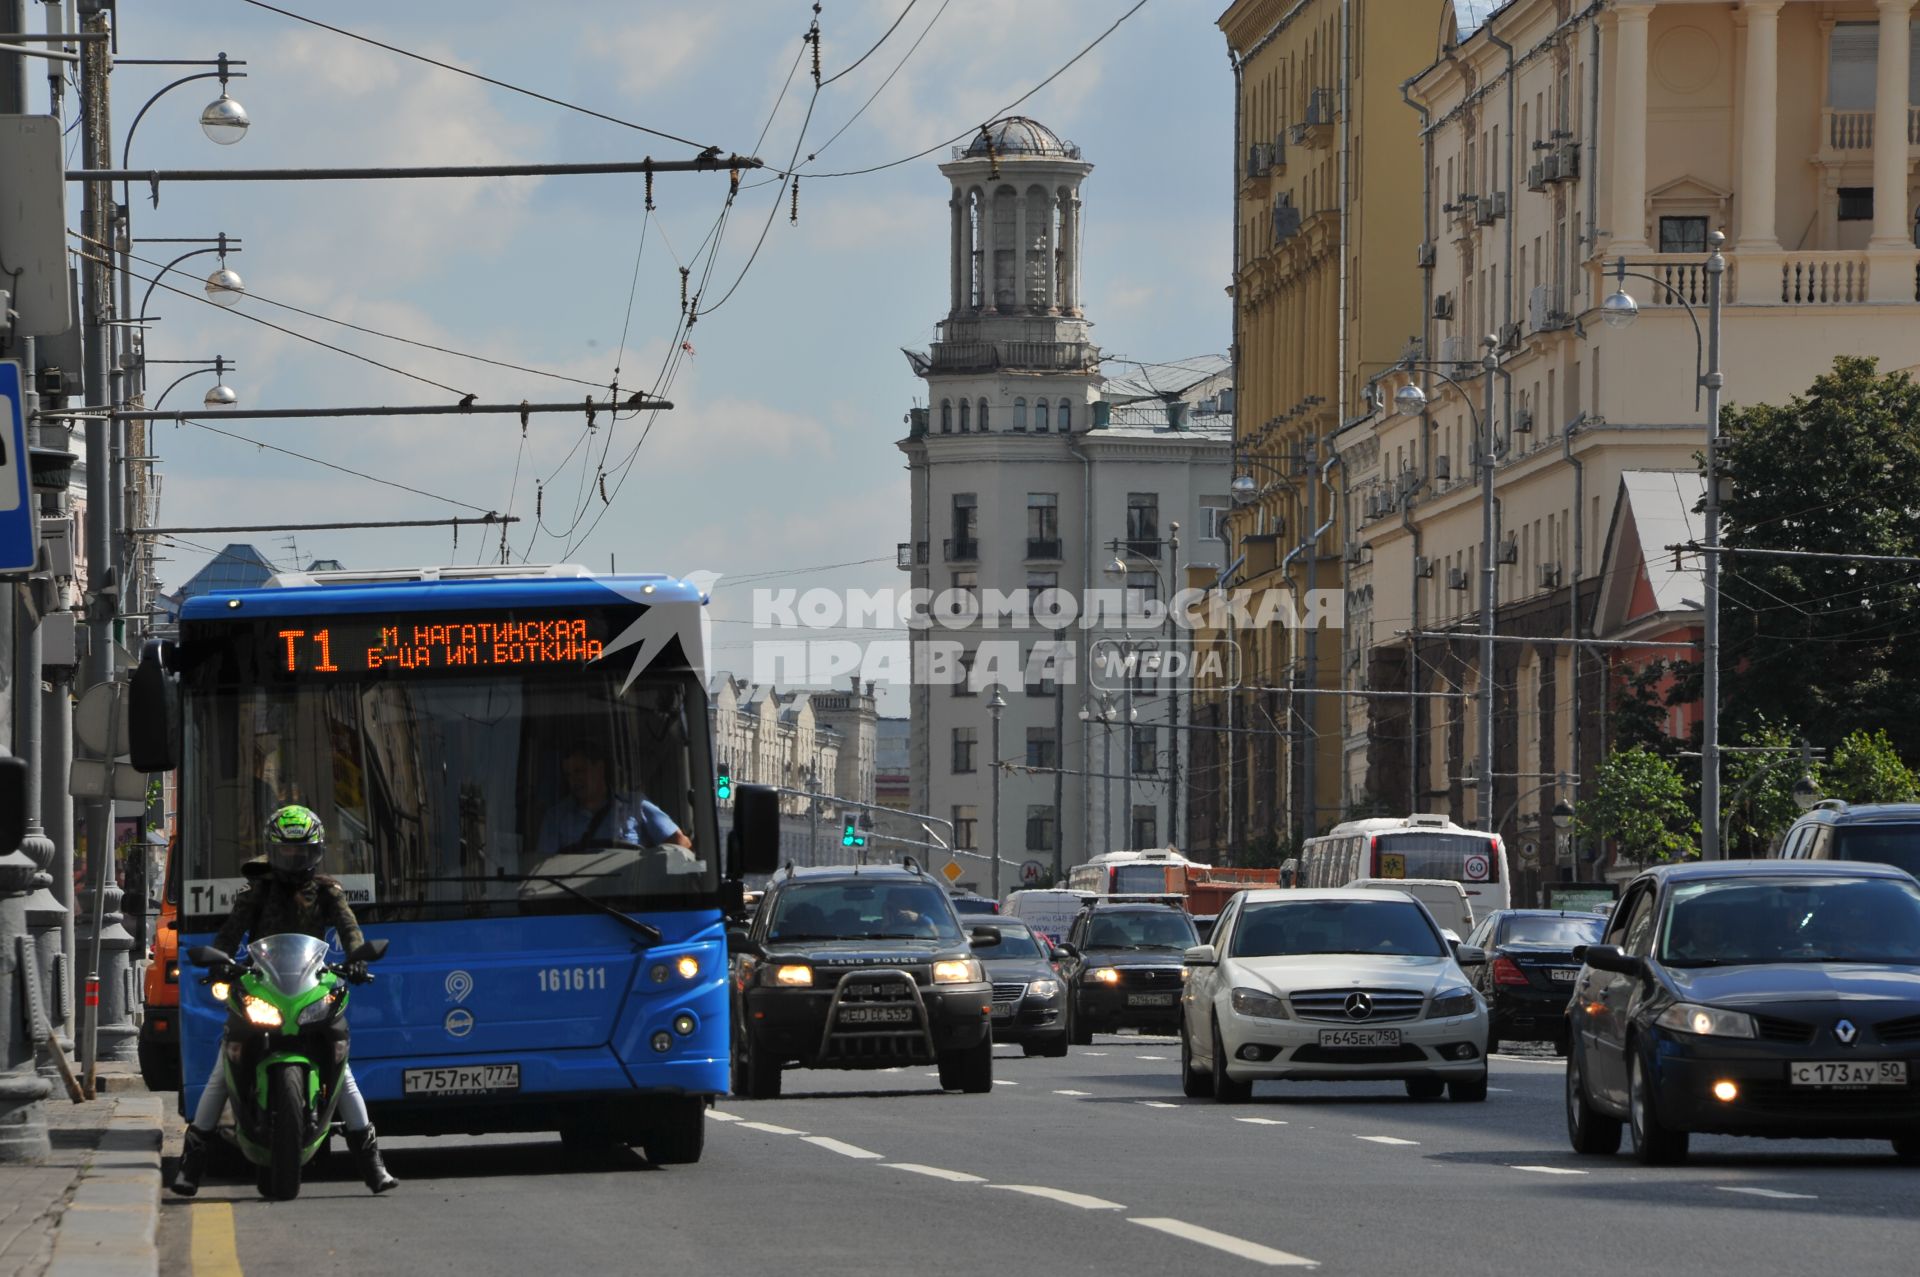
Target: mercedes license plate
1359,1037
464,1079
1150,999
876,1015
1563,975
1849,1073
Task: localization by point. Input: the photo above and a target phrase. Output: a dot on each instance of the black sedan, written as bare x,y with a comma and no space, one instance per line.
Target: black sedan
1530,971
1123,966
1029,1003
1766,997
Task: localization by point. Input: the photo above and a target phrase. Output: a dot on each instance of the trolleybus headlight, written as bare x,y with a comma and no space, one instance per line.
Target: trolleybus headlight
658,973
688,966
662,1041
219,989
262,1013
684,1024
957,971
798,973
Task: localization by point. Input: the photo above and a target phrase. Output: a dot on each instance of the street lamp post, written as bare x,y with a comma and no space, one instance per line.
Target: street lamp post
1125,553
1620,310
1105,712
994,708
1411,401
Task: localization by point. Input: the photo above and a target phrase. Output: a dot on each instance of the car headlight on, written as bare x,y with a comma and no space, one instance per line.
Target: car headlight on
220,989
316,1013
1104,975
1451,1002
1263,1005
794,974
1044,989
262,1013
1707,1022
957,971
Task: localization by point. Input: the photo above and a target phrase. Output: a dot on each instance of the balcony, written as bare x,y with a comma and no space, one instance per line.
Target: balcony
1143,549
961,549
1846,131
910,554
1806,278
1043,548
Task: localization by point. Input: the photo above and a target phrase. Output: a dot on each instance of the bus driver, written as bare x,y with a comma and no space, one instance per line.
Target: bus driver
592,814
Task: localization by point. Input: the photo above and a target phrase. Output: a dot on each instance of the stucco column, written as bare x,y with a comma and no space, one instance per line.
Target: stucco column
984,248
1759,124
1020,298
1073,255
959,249
1053,254
1890,129
1629,210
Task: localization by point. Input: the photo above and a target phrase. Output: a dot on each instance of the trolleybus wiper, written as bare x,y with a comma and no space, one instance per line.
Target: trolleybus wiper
645,931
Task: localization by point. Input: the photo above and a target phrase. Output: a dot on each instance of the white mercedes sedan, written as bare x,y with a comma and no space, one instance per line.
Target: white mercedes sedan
1331,985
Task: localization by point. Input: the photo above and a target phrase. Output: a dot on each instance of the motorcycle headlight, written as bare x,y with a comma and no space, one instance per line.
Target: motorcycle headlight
317,1012
1104,975
957,971
220,989
1451,1002
1708,1022
1044,989
795,974
1255,1003
263,1013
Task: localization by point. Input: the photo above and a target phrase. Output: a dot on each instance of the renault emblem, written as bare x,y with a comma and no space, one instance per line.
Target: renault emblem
1845,1032
1359,1006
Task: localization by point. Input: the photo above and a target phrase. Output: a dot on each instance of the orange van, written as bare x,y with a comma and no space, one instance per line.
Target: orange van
160,1025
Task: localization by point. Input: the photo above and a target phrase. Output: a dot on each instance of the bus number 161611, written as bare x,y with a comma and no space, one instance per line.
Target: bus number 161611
572,979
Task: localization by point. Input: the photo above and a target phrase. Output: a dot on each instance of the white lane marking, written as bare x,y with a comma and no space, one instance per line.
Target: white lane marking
769,1128
1770,1192
1095,1054
895,1069
1226,1241
935,1172
1556,1062
845,1150
1504,1090
1073,1092
1000,1081
1149,1057
718,1116
1061,1195
1261,1121
1384,1139
1159,1104
1549,1170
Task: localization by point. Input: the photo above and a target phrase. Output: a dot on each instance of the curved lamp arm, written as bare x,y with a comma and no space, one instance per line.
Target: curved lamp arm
223,248
1621,274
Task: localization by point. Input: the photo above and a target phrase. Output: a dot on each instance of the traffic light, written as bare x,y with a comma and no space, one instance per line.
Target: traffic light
850,835
723,785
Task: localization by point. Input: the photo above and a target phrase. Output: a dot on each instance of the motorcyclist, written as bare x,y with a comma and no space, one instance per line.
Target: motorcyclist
284,895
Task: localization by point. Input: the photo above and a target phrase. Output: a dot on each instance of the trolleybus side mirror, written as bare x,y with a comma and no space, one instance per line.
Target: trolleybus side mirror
153,726
756,830
13,802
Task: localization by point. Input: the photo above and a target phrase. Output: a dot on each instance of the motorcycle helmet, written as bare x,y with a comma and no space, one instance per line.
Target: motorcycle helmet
296,841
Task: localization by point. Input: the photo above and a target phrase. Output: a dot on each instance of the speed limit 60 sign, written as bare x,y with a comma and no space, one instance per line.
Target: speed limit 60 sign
1476,867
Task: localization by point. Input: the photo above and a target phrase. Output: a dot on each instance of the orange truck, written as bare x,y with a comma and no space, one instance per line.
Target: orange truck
160,1023
1209,887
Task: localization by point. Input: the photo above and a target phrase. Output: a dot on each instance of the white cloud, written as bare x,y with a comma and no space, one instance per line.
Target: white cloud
656,51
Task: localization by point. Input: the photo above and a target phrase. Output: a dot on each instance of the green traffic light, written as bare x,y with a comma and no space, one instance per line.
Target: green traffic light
723,787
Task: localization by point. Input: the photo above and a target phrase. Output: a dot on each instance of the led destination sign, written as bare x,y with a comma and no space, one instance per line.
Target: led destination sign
389,646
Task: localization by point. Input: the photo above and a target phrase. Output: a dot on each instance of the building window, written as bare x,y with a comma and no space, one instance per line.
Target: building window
1066,416
1019,414
965,827
1042,747
965,600
983,416
1040,416
946,416
966,416
964,739
1039,583
966,526
1145,750
1040,825
1039,676
1142,588
1852,72
1043,525
1683,234
1146,826
1213,518
963,686
1856,203
1143,523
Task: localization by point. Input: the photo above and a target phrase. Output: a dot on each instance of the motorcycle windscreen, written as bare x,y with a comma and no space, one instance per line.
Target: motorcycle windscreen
291,961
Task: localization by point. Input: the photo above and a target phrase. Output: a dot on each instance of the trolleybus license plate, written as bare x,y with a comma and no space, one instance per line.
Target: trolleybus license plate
463,1079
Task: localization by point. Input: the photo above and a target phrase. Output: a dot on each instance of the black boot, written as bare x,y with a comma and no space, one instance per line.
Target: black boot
366,1157
193,1163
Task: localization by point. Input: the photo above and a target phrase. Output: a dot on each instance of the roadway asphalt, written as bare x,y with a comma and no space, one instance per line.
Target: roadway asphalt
1090,1164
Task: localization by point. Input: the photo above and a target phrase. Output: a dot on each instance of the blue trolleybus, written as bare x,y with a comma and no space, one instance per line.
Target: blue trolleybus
554,962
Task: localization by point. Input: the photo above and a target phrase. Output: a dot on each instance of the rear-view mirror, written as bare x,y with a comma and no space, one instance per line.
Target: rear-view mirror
1611,957
1469,955
737,941
1201,955
986,937
13,802
153,714
756,830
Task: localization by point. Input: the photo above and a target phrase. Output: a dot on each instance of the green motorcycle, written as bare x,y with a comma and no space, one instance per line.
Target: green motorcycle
285,1048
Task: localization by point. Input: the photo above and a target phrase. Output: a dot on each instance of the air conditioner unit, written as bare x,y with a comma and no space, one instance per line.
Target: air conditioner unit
1442,469
1550,167
1409,482
1355,555
1566,157
1443,306
1485,209
1373,505
1456,578
1523,421
1510,549
1548,575
1277,151
1259,160
1320,107
1499,199
1509,337
1424,255
1423,567
1297,134
1540,308
1537,176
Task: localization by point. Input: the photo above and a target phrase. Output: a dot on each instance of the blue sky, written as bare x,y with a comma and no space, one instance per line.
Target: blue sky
780,458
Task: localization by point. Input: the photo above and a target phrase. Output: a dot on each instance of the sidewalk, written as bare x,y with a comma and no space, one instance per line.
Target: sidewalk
92,1209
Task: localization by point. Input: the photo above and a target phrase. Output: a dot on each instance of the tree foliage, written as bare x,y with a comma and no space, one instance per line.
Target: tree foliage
1641,803
1867,769
1824,641
1756,787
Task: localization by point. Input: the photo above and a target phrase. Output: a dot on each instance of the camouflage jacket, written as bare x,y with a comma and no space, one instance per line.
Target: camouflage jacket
269,907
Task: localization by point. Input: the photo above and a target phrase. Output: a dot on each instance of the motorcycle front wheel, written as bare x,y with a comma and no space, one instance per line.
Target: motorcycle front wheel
286,1130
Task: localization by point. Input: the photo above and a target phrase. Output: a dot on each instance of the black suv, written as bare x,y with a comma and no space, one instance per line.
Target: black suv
1122,969
859,967
1884,833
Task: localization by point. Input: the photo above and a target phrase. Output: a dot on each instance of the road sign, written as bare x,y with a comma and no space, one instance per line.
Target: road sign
89,779
91,716
1030,871
1475,867
951,871
17,515
1392,865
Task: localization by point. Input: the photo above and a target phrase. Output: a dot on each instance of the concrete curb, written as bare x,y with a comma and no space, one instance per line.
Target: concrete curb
110,1227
